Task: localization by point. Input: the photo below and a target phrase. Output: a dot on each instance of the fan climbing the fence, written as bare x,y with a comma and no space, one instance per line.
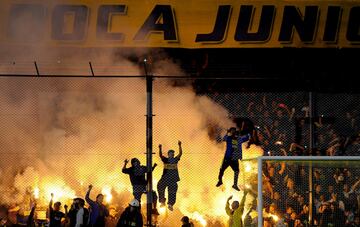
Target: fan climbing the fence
232,155
170,176
137,174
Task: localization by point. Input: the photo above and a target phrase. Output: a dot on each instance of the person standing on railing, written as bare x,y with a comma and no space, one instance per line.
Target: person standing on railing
170,176
137,174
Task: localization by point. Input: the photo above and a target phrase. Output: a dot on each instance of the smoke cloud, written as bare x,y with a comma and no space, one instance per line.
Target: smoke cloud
62,134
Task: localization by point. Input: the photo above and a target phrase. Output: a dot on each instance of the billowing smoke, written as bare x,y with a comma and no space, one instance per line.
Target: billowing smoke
61,134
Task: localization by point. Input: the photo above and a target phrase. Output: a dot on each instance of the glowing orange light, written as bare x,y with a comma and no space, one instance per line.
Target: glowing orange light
198,217
162,210
275,217
36,192
107,193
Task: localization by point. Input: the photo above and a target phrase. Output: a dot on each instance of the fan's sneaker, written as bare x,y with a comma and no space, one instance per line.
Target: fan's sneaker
236,187
170,207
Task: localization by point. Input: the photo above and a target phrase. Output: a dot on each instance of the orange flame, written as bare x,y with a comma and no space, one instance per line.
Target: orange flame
106,191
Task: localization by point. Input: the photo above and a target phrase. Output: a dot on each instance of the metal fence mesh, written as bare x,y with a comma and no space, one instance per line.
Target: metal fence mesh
335,197
62,134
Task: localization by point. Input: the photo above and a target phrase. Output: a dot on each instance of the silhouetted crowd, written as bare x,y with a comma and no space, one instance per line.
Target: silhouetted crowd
336,194
96,214
282,126
282,122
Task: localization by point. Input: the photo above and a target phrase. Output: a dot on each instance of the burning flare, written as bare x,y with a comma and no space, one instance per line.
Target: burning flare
198,217
106,191
36,192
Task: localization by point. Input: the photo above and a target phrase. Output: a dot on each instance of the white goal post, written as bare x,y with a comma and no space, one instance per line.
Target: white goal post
309,159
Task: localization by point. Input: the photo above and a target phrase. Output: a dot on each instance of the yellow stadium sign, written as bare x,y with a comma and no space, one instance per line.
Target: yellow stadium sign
181,23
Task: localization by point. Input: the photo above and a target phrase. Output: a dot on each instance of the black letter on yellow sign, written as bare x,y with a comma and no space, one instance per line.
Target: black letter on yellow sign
332,24
305,26
221,23
80,13
244,23
104,13
154,24
353,29
26,22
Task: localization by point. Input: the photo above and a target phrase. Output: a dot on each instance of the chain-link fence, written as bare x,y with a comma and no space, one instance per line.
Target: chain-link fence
62,134
312,192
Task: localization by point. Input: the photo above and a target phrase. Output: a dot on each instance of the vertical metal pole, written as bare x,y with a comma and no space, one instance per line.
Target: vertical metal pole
311,119
260,199
311,146
149,142
91,69
37,68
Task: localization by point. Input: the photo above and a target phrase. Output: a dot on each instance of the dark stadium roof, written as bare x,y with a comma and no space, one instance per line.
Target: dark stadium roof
273,68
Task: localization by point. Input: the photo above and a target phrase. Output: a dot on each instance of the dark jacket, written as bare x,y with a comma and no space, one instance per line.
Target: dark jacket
130,219
137,174
98,212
